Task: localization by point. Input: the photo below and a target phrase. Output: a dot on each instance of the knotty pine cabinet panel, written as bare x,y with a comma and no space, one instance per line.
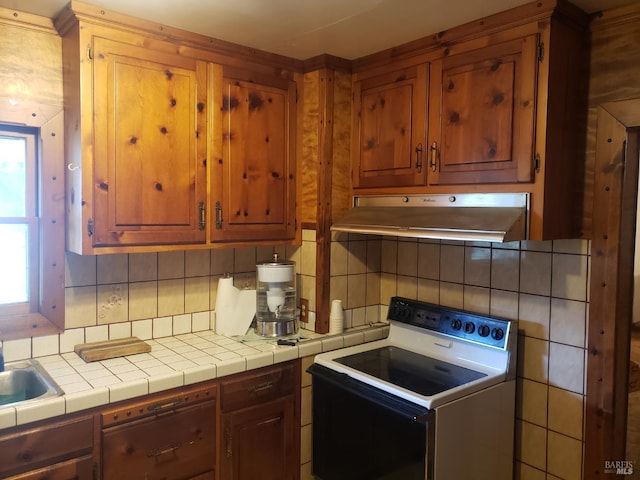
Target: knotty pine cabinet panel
390,127
136,139
483,115
253,177
137,173
150,177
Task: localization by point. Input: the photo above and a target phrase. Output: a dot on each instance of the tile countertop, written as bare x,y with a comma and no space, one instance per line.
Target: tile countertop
173,362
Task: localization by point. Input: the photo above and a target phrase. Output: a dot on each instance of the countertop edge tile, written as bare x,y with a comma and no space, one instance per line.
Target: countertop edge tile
51,407
165,381
128,390
200,373
259,360
75,402
8,417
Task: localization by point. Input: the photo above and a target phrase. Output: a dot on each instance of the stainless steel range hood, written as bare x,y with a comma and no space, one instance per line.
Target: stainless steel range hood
487,217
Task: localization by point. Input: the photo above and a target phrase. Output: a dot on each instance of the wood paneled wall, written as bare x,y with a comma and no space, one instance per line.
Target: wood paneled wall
614,75
610,203
30,70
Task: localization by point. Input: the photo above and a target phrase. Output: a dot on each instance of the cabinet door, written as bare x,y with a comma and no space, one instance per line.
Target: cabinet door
389,129
254,184
149,146
483,114
258,442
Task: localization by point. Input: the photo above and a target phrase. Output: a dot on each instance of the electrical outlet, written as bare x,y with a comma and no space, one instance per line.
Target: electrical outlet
304,310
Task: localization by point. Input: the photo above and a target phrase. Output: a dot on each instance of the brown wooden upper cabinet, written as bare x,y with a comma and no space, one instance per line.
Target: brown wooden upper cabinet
482,114
253,174
169,147
389,132
136,141
149,146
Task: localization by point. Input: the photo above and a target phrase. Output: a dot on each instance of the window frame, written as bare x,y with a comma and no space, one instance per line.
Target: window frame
30,218
45,315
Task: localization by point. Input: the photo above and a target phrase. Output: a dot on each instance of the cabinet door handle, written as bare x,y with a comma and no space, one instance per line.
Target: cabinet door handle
261,387
164,450
228,440
419,158
433,163
202,222
164,405
218,216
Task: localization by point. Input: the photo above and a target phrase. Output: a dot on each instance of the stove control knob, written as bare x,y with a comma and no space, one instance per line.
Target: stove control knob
400,311
484,330
456,324
497,334
469,327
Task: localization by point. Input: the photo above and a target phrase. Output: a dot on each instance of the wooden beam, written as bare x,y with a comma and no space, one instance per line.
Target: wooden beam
324,218
614,213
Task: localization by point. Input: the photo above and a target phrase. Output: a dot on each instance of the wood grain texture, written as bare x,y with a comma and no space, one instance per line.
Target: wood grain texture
325,177
31,70
614,70
148,180
389,127
613,76
487,113
341,171
91,352
615,194
309,175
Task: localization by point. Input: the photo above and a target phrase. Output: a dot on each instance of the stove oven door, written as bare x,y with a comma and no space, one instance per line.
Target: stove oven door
363,433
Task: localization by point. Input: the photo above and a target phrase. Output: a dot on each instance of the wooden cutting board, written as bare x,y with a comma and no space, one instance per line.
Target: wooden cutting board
90,352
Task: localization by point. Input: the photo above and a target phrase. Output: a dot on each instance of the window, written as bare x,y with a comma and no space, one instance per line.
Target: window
32,226
19,238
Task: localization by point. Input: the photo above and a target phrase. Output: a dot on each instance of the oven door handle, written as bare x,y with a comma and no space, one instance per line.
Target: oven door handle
404,408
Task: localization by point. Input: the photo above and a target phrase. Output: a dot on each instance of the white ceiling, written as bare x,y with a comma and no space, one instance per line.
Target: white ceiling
305,28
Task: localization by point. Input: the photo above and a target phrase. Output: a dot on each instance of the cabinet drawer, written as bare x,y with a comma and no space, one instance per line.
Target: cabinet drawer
76,469
157,404
45,445
258,387
174,445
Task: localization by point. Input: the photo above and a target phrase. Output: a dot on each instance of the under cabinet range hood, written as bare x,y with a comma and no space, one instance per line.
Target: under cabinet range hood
487,217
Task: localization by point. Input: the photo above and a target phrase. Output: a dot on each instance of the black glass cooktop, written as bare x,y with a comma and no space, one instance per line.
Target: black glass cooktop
411,371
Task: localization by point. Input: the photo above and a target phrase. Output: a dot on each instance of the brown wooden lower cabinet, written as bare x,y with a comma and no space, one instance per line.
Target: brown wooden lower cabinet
55,450
258,442
260,423
166,437
251,433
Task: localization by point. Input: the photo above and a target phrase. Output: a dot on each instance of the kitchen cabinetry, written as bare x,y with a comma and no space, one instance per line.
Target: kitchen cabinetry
58,450
505,99
253,178
483,114
151,119
136,143
167,436
389,134
260,424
